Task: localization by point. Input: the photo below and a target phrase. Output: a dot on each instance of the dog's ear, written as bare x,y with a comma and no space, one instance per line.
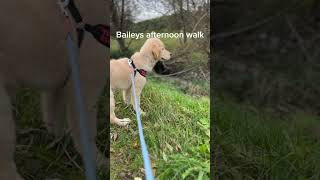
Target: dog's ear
156,52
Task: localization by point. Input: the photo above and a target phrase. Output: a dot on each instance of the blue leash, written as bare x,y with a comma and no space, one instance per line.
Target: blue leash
90,170
145,154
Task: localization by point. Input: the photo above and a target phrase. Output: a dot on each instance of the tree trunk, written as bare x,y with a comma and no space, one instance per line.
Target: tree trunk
188,6
122,15
118,25
182,21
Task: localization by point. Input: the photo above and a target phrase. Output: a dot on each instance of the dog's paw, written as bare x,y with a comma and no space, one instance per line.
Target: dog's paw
124,122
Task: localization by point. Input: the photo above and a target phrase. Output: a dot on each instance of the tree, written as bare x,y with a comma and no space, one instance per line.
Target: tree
121,18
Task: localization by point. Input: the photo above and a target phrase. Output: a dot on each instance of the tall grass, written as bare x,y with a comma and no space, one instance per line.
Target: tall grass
253,145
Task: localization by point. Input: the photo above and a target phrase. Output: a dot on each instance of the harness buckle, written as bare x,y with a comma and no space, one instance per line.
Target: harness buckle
131,64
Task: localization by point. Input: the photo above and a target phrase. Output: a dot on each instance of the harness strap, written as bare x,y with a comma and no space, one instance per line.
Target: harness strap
100,32
74,12
142,72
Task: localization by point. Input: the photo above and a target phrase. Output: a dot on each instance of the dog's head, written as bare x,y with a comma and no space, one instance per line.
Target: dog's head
156,47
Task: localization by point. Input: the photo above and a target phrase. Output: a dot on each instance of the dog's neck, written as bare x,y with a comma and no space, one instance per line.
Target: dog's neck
145,61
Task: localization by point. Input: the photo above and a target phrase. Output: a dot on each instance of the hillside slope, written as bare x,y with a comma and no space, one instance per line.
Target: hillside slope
177,133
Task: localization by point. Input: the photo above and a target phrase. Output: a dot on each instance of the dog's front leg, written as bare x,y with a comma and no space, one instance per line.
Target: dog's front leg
7,139
53,108
113,117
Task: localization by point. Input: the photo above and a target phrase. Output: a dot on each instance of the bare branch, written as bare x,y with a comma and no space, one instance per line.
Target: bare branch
246,28
177,73
299,39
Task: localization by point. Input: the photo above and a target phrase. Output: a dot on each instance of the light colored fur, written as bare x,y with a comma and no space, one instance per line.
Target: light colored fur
33,54
150,53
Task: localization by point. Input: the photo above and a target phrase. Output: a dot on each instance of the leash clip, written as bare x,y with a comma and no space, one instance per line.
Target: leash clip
133,68
130,64
63,7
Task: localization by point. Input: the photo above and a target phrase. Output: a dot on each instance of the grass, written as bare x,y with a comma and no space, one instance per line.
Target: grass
177,134
176,130
253,145
40,155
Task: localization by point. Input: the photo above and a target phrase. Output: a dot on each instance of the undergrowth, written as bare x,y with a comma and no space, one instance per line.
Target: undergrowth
252,145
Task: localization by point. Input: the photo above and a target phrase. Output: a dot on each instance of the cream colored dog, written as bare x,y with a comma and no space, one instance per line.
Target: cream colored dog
33,54
150,53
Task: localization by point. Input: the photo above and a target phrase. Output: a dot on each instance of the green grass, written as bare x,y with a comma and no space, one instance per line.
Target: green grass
253,145
177,134
176,130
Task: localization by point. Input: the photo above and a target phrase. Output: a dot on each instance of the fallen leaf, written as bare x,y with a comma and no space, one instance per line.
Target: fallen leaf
114,136
136,146
143,170
178,148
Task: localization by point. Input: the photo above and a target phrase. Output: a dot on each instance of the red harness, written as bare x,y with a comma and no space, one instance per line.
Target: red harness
100,32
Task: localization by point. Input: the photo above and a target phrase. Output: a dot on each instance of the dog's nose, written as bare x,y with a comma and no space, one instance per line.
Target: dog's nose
170,54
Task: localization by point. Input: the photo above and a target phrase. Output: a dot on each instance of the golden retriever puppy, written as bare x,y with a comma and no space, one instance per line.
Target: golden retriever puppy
33,54
150,53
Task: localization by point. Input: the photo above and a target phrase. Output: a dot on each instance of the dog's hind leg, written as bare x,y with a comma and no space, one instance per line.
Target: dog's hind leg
113,117
7,139
53,108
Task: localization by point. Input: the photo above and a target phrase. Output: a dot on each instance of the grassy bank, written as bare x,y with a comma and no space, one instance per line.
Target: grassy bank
253,145
177,133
